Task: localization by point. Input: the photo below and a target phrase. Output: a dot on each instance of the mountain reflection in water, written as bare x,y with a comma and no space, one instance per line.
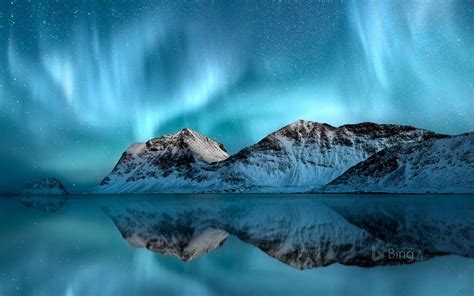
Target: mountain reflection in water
303,232
73,240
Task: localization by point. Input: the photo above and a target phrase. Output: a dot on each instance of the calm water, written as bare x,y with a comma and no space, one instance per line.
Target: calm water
80,247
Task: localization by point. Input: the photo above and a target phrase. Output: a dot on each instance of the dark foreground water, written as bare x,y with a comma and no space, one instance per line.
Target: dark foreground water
233,245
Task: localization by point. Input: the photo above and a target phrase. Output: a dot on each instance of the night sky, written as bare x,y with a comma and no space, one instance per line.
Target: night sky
81,80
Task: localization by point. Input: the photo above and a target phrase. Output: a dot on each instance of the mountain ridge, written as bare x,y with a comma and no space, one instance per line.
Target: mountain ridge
298,157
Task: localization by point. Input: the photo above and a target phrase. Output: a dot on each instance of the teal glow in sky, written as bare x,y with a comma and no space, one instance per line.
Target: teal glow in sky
81,80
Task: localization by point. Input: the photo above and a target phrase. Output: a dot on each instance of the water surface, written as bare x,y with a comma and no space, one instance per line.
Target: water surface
84,245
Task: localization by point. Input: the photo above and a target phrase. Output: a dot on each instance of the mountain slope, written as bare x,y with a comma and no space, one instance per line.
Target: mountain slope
306,154
167,163
440,165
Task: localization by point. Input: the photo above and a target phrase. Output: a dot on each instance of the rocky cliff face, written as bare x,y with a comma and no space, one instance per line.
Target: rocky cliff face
296,158
47,186
438,165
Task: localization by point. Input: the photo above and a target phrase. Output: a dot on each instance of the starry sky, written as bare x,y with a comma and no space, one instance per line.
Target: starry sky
81,80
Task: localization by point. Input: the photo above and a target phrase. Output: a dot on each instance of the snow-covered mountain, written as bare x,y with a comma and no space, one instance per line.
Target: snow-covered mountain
304,232
307,154
47,186
170,163
437,165
296,158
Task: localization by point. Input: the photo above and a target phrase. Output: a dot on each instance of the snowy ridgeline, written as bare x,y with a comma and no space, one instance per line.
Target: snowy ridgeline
303,232
301,157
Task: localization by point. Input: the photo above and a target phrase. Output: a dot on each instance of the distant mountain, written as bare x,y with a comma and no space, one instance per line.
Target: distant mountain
437,165
296,158
47,186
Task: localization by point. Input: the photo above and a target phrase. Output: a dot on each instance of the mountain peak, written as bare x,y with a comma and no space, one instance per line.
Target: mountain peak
189,142
306,123
301,129
180,139
186,132
182,134
184,141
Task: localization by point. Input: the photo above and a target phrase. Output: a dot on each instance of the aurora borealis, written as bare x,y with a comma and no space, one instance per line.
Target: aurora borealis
81,80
